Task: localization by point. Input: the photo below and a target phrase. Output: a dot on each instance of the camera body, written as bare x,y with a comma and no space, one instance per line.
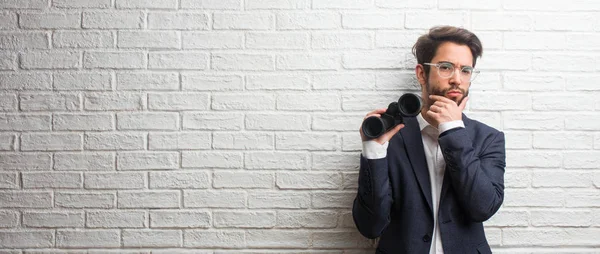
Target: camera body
409,105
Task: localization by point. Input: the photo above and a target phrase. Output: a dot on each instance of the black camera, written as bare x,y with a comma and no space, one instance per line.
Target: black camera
409,105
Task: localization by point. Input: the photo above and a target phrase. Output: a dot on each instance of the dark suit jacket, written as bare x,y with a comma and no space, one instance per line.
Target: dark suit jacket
394,193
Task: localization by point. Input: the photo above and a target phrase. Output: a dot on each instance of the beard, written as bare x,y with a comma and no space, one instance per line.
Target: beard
442,92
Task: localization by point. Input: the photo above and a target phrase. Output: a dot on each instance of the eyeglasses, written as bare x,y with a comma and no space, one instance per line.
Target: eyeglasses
446,70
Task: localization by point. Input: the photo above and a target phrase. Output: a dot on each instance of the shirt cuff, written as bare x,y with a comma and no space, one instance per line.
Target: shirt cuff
443,127
373,150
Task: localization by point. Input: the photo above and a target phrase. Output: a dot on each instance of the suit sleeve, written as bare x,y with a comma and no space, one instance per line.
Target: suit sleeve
373,202
477,179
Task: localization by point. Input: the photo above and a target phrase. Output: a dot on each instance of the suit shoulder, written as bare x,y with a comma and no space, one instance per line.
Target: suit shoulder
481,128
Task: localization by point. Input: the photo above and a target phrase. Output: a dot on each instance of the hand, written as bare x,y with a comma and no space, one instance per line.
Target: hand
386,136
445,110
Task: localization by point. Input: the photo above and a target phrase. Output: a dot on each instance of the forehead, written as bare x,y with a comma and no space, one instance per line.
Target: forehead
457,54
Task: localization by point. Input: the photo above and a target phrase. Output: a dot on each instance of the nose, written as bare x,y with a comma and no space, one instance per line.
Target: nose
455,79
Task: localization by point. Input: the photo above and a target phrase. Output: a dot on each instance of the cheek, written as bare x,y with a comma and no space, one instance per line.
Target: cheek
433,80
466,86
440,84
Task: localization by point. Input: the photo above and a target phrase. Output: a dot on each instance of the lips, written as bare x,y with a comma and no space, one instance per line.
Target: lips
453,93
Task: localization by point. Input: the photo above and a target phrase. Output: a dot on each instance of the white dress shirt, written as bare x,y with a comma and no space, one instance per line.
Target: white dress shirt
435,164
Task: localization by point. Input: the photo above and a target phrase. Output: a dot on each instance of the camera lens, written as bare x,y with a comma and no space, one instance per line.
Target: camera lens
409,104
373,127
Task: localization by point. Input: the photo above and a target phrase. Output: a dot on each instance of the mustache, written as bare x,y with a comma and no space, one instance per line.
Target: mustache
444,91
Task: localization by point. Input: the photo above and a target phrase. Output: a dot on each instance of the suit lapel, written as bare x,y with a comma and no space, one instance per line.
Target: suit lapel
413,144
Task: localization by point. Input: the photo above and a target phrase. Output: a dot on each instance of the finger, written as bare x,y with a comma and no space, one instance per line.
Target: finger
441,98
435,108
370,115
377,111
432,114
440,104
463,103
388,135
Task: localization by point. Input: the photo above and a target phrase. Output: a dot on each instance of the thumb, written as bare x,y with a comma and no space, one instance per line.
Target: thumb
388,135
463,103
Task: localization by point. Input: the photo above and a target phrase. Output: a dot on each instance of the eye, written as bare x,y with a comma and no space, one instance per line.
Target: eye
446,67
467,70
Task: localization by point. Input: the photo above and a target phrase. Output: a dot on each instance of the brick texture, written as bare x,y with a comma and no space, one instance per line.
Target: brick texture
231,126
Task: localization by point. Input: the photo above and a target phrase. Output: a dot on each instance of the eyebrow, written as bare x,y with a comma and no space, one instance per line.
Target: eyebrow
462,66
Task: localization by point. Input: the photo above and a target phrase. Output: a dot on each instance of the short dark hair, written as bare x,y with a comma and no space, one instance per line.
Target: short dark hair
426,46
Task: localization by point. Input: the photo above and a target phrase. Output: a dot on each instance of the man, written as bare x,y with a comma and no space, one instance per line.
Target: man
427,185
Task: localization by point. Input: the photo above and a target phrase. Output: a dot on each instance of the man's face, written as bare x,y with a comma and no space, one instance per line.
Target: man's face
454,87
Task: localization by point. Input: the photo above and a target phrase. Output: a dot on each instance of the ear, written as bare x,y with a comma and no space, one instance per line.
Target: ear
420,72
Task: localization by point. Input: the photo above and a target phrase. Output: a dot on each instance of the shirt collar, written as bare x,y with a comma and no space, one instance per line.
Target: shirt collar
426,127
422,122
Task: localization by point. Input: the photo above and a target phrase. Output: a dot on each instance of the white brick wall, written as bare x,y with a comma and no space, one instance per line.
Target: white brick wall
230,126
